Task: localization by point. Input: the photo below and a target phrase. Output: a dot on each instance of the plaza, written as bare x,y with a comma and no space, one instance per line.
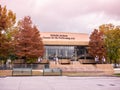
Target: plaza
59,83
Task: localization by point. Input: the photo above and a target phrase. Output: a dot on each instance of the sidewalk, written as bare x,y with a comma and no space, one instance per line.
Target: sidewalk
59,83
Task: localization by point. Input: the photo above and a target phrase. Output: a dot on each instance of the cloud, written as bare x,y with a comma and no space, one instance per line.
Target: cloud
69,8
67,15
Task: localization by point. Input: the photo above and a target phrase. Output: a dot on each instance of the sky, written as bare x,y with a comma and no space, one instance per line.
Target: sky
77,16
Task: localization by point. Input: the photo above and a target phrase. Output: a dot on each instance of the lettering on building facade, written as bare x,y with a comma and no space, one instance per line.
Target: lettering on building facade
57,36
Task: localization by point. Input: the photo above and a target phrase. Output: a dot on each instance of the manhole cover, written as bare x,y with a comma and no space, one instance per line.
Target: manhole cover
112,84
100,84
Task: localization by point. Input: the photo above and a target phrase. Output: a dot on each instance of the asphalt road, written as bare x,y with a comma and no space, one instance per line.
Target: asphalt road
59,83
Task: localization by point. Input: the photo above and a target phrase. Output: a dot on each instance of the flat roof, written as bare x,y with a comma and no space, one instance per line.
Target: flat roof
64,38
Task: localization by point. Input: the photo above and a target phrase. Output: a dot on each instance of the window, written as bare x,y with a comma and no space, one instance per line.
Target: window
60,51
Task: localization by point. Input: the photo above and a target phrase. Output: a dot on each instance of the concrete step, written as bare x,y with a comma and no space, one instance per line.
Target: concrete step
105,69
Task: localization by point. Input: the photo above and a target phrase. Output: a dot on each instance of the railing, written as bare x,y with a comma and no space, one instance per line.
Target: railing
33,66
53,71
21,71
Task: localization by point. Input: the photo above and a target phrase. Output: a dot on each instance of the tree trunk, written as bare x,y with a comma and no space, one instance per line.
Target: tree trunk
115,64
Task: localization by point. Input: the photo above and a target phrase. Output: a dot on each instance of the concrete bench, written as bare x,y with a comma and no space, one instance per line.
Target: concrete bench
21,71
64,61
53,71
87,61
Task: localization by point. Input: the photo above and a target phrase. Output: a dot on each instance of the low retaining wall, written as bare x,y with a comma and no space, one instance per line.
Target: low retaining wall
76,67
5,72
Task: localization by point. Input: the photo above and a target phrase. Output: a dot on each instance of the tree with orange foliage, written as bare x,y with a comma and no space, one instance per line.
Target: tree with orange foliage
7,21
96,44
28,43
112,42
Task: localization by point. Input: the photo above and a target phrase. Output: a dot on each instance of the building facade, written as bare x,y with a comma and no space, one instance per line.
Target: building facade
64,45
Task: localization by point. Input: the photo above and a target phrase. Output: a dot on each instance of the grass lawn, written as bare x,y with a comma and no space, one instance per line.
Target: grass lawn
117,74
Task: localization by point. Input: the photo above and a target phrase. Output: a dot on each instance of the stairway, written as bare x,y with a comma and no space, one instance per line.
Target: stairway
89,69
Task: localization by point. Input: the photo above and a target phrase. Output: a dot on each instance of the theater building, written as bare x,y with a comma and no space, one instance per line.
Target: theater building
64,45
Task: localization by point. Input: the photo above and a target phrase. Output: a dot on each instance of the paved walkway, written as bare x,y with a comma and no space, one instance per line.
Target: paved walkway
59,83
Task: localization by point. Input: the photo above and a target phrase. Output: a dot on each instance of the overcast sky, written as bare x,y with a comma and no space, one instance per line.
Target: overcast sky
67,15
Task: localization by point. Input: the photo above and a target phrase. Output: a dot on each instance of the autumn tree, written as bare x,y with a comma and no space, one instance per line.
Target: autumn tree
28,43
7,21
112,42
96,44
